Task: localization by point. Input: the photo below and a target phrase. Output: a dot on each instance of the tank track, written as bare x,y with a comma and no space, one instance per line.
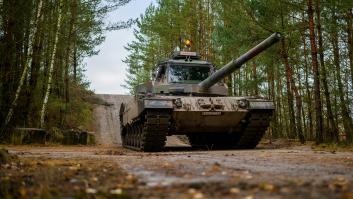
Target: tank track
253,129
257,123
147,133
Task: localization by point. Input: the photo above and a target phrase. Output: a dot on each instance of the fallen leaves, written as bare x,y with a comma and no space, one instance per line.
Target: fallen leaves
94,179
167,165
191,179
267,187
56,178
214,169
116,191
196,194
91,191
110,152
74,168
340,183
234,190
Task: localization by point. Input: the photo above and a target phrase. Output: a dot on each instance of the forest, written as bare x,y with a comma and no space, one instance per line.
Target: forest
309,74
42,47
59,139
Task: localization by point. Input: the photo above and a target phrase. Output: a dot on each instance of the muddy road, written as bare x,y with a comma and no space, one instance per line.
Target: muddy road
109,171
179,172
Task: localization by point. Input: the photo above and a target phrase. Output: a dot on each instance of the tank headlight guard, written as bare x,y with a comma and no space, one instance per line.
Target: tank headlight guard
178,103
243,103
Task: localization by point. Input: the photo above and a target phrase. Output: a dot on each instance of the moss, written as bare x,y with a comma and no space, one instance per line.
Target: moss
342,146
55,136
6,157
91,140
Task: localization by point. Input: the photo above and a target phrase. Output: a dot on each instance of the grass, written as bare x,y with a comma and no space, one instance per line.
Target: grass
341,146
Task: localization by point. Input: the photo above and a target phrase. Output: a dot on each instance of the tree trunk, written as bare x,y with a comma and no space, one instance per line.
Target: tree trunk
333,129
7,56
292,129
317,98
51,68
279,108
290,99
272,95
229,82
240,81
296,126
349,20
347,120
67,58
75,63
34,74
254,76
26,66
308,92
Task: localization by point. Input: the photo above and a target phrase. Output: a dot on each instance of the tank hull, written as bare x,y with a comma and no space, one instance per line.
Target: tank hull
197,117
195,122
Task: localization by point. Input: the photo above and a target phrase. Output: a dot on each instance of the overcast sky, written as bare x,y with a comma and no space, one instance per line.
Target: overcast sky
106,71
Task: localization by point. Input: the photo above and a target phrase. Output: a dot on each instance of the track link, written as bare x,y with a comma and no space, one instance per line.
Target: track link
149,132
254,129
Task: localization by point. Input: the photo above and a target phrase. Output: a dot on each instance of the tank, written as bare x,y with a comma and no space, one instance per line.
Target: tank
187,97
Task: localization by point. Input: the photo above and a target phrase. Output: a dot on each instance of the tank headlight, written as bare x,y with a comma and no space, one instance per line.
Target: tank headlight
242,103
178,103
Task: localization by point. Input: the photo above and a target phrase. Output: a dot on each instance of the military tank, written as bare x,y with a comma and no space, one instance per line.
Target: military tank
187,97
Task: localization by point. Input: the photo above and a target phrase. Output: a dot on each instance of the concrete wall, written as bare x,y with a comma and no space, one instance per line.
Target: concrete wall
106,119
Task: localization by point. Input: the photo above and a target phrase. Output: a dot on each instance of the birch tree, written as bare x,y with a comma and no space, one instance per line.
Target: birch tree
26,66
51,67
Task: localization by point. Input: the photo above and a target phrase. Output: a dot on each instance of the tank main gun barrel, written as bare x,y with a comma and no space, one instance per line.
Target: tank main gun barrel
237,63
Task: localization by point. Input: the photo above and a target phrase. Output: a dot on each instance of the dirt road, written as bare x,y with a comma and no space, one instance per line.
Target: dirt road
296,172
109,171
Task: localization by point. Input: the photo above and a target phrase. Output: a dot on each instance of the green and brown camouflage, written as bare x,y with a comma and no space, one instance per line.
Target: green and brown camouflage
187,97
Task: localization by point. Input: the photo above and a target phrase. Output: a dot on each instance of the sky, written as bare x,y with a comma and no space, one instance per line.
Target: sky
106,71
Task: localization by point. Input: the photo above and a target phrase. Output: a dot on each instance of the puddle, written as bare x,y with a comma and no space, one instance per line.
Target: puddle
154,179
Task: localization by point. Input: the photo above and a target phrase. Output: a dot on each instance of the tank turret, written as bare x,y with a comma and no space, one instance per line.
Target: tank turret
237,63
186,98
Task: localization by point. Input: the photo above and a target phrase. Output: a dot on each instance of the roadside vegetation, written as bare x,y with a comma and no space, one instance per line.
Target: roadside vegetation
42,47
